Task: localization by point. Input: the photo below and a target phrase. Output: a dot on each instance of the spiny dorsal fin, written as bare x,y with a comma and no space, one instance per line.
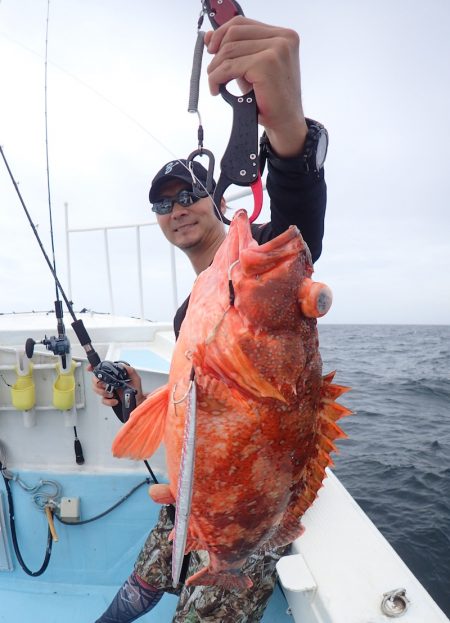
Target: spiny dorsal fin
334,411
331,430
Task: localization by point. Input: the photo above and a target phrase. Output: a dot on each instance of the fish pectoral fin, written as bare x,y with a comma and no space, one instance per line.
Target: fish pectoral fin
140,437
234,368
227,580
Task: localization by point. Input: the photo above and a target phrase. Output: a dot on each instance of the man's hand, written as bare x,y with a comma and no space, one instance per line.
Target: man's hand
107,398
266,59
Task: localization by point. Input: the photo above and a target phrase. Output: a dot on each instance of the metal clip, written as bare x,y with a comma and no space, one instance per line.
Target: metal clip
198,189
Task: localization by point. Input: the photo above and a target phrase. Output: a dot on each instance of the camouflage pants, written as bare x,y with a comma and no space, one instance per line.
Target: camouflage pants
207,604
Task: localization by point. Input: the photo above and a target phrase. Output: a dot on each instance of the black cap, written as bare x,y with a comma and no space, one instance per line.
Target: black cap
177,170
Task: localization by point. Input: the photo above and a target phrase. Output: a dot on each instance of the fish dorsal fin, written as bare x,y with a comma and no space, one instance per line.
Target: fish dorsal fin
140,437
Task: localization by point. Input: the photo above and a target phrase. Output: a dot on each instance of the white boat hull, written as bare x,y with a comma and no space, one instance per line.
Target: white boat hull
338,572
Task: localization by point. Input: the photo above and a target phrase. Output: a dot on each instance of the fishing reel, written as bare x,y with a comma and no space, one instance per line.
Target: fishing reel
57,345
115,377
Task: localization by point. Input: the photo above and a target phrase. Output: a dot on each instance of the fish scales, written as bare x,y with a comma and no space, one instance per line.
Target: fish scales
265,413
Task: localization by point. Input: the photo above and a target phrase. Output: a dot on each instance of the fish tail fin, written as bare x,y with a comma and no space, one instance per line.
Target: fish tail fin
228,580
140,437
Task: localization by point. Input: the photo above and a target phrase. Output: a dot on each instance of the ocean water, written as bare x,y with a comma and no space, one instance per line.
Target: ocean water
396,461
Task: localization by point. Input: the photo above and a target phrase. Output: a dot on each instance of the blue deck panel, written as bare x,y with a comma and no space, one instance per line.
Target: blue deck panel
68,604
89,562
145,358
84,604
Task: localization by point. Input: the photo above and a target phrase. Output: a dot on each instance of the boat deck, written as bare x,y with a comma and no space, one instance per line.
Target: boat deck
341,568
89,562
49,603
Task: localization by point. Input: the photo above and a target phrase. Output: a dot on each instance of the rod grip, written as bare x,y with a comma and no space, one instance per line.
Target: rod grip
85,341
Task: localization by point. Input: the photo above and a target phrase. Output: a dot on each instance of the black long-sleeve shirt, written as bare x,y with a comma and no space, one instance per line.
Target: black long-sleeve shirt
296,198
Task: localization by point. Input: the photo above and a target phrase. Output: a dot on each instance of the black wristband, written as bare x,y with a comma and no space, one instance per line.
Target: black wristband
306,162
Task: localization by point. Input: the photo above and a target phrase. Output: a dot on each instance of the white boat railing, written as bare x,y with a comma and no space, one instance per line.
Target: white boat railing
137,227
106,229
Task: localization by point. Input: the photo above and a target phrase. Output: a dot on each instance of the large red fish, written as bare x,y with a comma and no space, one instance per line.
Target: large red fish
265,415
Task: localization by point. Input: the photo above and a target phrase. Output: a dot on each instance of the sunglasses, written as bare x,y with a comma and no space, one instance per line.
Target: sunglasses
185,198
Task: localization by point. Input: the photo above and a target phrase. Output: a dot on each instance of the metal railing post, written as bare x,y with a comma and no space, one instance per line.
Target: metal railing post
69,271
137,226
173,270
139,261
108,269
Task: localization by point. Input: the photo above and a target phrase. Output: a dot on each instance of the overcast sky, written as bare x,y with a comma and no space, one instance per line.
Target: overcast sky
375,73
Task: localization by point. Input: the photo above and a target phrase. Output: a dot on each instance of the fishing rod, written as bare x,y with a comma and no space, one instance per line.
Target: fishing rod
112,373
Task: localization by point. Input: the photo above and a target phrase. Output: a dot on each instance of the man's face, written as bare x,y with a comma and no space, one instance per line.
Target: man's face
187,227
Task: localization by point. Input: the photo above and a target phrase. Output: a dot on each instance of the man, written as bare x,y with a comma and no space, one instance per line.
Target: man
264,58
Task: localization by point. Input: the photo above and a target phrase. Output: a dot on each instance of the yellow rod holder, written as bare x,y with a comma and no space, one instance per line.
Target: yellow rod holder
23,394
51,525
64,388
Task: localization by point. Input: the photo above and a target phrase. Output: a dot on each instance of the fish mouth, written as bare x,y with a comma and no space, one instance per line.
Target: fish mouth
257,259
263,258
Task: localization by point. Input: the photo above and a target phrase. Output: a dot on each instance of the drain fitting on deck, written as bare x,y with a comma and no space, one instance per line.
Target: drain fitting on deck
395,603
